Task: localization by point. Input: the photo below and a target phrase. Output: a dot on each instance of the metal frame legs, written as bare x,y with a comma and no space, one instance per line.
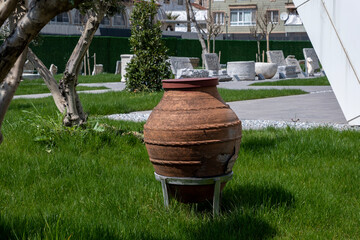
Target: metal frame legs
195,181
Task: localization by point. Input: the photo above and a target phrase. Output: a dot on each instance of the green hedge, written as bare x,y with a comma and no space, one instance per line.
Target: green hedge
57,49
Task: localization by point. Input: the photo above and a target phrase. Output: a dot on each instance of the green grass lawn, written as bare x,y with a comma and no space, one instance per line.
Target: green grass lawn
60,183
321,81
230,95
37,87
97,182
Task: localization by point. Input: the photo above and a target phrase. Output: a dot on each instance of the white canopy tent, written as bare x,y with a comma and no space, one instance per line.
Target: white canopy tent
200,16
334,33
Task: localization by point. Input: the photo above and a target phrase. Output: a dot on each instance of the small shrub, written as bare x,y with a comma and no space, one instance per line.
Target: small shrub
148,67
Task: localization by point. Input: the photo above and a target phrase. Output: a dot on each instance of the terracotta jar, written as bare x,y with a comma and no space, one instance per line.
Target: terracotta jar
192,132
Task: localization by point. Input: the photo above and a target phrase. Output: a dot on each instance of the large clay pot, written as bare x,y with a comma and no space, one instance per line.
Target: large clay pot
192,132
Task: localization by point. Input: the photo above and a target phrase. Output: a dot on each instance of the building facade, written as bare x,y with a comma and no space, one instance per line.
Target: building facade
71,23
237,17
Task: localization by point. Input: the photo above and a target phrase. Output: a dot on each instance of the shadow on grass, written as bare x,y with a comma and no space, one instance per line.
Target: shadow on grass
5,232
21,106
234,226
251,196
264,143
19,231
239,213
242,208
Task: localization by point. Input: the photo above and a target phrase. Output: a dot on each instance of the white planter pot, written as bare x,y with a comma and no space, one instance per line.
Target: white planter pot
268,70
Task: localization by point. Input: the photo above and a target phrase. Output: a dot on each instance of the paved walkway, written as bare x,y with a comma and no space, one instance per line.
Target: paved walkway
113,86
318,106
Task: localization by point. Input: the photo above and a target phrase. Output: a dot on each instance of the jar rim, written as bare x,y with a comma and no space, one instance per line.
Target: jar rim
189,83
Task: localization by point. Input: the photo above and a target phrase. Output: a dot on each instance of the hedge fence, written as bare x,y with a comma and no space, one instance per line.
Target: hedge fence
57,49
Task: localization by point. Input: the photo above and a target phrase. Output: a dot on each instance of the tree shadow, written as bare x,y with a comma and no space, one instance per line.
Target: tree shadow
5,232
36,228
234,226
21,106
262,143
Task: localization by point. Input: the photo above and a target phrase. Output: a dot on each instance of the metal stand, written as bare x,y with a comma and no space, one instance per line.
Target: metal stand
194,181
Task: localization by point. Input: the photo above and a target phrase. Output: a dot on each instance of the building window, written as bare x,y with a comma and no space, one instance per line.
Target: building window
105,21
119,20
180,2
242,17
61,18
272,16
218,18
167,1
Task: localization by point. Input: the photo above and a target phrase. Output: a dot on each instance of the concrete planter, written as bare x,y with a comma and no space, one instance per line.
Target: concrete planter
288,71
194,61
268,70
125,59
241,71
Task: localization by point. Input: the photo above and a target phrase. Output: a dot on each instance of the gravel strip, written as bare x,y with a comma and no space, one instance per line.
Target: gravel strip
134,117
324,91
261,124
247,124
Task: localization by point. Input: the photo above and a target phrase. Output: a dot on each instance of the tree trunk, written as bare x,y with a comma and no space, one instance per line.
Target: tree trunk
209,28
267,42
6,8
39,14
75,114
188,23
208,40
214,44
12,80
64,94
259,51
198,30
9,86
49,80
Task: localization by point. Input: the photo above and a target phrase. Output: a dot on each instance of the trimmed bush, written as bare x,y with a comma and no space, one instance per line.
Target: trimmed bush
148,67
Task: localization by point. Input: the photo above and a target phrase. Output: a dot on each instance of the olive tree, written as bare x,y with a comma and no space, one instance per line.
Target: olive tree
64,93
38,14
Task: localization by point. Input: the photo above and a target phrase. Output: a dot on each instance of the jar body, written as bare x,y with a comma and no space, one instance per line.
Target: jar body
192,132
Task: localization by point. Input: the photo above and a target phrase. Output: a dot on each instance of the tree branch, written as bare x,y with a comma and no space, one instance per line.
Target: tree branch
39,14
75,113
6,8
198,30
49,80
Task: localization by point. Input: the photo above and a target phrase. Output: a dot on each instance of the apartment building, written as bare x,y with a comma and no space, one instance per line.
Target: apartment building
237,17
70,23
